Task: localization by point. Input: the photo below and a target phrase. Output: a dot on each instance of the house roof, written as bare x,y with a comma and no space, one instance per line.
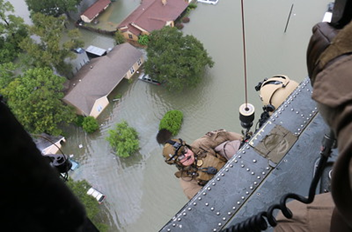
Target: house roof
101,75
96,8
153,14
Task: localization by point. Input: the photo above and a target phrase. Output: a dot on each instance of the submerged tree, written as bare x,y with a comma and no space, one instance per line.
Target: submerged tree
169,125
49,51
52,7
124,139
12,32
35,99
176,60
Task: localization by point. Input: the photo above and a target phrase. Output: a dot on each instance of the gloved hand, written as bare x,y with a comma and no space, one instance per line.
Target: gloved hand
322,36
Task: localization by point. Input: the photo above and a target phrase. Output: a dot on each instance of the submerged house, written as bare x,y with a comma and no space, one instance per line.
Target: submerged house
94,10
90,88
151,15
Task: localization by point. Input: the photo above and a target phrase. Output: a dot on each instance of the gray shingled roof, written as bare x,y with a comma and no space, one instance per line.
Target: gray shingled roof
101,75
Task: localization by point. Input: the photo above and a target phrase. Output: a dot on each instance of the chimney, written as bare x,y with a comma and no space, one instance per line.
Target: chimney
164,2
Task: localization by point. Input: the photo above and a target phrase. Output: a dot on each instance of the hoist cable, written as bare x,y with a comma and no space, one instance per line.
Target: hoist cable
244,54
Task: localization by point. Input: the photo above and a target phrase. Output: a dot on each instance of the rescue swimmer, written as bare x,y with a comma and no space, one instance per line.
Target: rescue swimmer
199,162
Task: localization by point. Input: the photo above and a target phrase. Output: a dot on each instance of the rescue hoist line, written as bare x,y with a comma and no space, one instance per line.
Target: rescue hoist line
244,55
246,110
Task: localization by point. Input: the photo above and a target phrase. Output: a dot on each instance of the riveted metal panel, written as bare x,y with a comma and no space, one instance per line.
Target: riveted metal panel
224,195
249,182
293,174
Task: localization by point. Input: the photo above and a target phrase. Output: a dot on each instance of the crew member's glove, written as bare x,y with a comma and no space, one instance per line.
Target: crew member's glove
322,36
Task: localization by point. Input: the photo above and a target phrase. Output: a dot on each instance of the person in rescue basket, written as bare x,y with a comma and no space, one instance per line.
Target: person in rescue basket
329,61
199,162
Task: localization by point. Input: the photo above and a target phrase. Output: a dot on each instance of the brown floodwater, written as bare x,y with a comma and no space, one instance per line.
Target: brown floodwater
142,192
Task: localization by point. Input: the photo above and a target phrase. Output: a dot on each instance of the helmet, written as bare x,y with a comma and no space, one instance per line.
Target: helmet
275,90
172,149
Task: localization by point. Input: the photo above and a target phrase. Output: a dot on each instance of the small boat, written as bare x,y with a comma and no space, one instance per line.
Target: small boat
96,194
213,2
146,78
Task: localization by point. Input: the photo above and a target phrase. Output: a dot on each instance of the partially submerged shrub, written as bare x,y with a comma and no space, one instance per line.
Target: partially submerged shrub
90,124
119,38
179,26
123,139
79,120
143,40
192,6
185,19
172,121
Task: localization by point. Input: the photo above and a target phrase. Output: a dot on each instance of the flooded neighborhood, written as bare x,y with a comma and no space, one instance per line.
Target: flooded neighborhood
141,191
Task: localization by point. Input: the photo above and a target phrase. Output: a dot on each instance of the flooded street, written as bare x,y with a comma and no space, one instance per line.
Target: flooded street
142,192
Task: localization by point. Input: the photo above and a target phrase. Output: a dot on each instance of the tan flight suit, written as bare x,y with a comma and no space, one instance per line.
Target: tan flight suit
332,89
211,144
